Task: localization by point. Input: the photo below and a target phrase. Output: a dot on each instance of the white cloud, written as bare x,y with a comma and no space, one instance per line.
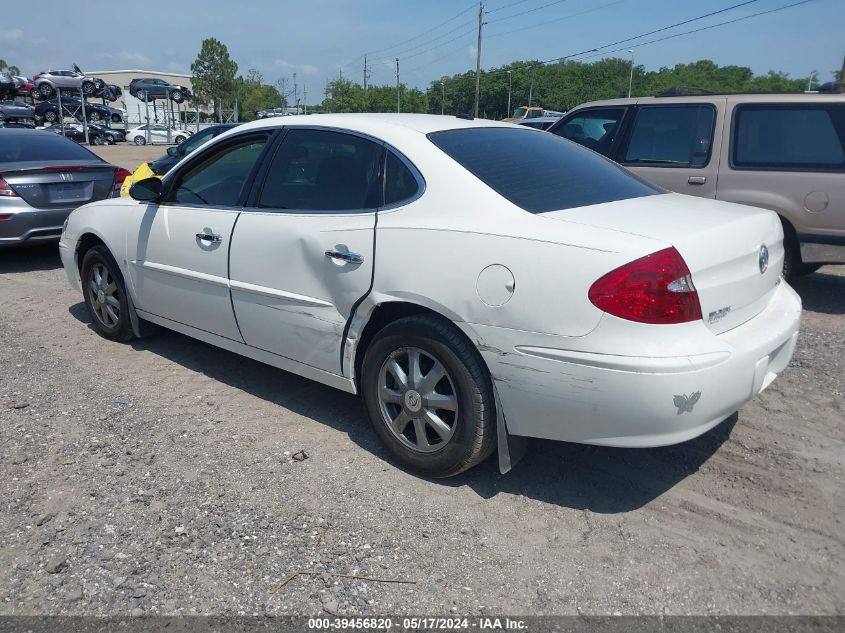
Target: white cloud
129,58
11,35
305,69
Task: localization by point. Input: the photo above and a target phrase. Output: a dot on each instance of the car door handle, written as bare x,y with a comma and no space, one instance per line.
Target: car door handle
209,237
352,258
697,180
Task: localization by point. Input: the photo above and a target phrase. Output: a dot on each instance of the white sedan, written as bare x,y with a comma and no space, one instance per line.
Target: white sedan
155,133
402,257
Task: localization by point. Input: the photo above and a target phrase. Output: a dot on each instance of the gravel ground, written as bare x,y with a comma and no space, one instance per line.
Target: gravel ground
128,155
167,476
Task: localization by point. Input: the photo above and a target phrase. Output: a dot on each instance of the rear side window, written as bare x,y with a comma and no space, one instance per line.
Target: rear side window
562,174
672,135
789,137
399,182
321,170
41,145
595,129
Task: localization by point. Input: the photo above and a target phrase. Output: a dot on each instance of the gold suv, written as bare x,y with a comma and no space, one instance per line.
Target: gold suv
784,152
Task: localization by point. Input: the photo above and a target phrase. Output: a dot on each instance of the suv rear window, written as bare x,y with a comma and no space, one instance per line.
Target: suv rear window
562,175
789,137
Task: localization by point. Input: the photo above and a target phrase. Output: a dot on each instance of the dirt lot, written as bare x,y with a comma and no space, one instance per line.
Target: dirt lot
158,477
128,155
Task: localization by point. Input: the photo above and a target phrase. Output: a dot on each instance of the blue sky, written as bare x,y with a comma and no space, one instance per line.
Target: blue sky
319,38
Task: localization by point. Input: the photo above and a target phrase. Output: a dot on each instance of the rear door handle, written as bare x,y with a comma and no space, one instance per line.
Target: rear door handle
697,180
209,237
352,258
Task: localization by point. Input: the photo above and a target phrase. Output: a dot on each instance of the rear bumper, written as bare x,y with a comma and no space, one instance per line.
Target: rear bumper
67,252
28,225
637,395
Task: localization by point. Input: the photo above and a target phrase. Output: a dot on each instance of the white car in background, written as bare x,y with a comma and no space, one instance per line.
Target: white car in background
403,258
155,133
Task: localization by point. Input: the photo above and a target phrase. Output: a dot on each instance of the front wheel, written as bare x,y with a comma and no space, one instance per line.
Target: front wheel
140,140
50,116
429,396
177,96
142,95
95,117
46,91
105,295
179,140
88,88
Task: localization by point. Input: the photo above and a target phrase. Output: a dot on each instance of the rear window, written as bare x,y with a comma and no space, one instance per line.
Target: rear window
40,145
538,171
790,137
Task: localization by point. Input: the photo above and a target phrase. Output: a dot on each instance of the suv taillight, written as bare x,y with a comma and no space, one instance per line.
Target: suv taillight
656,288
6,191
120,174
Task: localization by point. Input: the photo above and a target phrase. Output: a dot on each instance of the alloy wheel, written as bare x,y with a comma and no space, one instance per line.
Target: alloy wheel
417,399
104,296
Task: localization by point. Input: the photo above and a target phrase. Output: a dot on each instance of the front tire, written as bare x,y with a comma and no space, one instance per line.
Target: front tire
140,140
95,117
177,96
142,95
88,88
50,116
105,295
179,140
429,396
46,91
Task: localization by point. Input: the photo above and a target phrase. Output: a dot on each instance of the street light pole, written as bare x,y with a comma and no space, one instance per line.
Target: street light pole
510,85
442,98
631,77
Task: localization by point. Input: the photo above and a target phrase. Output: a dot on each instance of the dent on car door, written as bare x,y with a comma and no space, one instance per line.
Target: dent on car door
302,252
179,247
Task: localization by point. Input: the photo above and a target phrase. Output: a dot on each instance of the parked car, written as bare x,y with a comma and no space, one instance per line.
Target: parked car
72,107
43,177
271,112
75,132
577,302
16,112
23,86
109,92
111,136
47,82
7,85
147,88
523,113
157,133
540,122
116,115
784,152
174,154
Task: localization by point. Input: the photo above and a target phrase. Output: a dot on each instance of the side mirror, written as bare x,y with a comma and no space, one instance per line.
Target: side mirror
146,190
173,151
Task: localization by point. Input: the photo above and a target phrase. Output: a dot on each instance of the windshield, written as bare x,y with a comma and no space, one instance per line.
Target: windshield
519,112
565,175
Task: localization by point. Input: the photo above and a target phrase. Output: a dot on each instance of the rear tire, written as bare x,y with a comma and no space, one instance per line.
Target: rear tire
46,91
437,427
177,96
179,140
50,116
140,140
95,117
142,95
88,88
105,295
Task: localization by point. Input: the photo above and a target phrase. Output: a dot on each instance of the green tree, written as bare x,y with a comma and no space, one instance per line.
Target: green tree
214,74
254,94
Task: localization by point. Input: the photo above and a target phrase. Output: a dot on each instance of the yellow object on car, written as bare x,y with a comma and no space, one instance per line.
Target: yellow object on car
141,173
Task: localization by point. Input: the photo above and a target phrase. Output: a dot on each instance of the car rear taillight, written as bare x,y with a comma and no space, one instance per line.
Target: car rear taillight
6,191
120,174
656,288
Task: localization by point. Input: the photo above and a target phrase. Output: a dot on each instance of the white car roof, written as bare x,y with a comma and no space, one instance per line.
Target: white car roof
375,123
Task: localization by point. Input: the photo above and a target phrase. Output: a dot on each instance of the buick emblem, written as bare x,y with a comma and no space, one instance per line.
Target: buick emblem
763,259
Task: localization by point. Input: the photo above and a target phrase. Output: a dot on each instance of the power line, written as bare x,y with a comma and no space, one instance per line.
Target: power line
463,25
560,19
527,11
416,37
508,6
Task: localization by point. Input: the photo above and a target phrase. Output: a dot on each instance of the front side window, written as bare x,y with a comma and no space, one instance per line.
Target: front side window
219,178
594,129
562,176
195,141
673,135
321,170
790,136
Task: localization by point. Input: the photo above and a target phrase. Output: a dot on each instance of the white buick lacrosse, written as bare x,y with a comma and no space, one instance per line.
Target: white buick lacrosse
470,300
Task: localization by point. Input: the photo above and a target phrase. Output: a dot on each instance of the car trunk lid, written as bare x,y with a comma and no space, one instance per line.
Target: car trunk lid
61,184
734,252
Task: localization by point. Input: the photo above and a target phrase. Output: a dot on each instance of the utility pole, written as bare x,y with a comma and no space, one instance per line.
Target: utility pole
365,72
631,76
398,102
478,57
531,88
842,77
510,86
295,94
305,97
442,98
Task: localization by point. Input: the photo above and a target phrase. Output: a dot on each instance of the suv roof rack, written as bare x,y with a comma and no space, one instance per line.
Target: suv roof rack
684,91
